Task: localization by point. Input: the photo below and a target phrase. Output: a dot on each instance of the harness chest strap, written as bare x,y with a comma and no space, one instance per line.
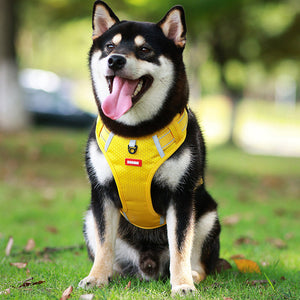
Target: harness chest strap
134,162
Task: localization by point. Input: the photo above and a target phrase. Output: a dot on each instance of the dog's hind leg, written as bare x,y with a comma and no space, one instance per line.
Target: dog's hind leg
180,237
203,239
103,230
205,253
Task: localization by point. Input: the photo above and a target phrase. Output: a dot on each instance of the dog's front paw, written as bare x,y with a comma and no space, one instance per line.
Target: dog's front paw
91,281
183,290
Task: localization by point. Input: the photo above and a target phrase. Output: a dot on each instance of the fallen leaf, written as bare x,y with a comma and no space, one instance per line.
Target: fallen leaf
222,265
272,182
27,282
5,292
45,258
245,241
19,265
52,229
128,286
87,297
282,278
67,293
278,243
230,220
289,236
247,266
237,256
280,212
30,245
38,282
9,246
227,298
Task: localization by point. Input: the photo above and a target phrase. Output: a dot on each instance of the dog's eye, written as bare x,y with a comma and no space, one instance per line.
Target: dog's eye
110,47
145,49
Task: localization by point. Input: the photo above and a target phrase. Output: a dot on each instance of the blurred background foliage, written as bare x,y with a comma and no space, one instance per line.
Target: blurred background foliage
237,42
242,59
237,49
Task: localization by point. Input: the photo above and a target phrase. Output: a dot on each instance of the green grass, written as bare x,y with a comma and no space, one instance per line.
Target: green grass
44,192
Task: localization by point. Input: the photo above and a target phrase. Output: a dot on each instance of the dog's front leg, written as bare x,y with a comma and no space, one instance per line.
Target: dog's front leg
106,226
180,227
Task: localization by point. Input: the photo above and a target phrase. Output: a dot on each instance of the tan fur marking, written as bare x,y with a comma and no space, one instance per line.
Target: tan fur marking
117,39
202,229
198,276
180,270
180,261
182,266
102,267
139,40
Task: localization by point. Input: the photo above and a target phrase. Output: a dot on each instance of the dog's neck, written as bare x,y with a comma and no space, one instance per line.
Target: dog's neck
144,128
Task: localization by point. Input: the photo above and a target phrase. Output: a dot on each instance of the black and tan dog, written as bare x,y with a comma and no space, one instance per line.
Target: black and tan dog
150,214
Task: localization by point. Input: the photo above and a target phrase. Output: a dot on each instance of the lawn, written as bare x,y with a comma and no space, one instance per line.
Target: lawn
44,192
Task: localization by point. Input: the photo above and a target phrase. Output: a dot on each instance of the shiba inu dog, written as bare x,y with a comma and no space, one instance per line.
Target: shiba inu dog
150,214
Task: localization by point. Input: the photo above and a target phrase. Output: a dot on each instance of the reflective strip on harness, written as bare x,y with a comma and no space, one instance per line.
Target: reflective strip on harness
108,141
158,146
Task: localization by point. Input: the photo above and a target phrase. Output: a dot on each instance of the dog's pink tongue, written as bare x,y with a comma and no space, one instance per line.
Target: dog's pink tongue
119,101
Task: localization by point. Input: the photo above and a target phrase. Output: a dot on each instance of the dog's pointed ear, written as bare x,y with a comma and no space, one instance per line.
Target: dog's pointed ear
173,26
103,18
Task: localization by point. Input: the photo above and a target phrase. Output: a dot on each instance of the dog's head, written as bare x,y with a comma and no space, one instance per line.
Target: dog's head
135,66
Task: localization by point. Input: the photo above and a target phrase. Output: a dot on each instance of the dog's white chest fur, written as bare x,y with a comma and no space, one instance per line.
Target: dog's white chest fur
169,173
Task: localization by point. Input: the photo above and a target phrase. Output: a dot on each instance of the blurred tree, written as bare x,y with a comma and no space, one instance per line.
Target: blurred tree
12,113
233,32
229,40
244,32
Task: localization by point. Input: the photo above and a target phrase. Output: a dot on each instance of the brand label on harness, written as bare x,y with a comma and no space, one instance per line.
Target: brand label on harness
133,162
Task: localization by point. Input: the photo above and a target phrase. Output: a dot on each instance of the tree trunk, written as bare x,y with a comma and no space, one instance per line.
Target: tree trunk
12,112
235,96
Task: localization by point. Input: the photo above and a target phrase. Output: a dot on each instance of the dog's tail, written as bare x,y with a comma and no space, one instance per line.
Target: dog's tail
149,263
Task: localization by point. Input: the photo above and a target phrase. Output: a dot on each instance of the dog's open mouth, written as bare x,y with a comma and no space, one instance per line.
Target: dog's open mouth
124,93
142,86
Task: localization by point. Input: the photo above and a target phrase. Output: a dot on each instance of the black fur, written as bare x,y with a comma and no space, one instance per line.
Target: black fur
188,197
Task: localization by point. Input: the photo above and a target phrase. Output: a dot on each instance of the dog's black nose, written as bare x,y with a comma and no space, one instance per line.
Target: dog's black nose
116,62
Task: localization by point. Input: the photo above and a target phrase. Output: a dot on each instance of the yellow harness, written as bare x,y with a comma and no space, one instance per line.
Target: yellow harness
134,162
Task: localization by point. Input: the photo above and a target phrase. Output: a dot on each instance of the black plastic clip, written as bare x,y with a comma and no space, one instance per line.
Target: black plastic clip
132,147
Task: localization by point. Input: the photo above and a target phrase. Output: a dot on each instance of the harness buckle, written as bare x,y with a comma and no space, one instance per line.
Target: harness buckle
132,149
